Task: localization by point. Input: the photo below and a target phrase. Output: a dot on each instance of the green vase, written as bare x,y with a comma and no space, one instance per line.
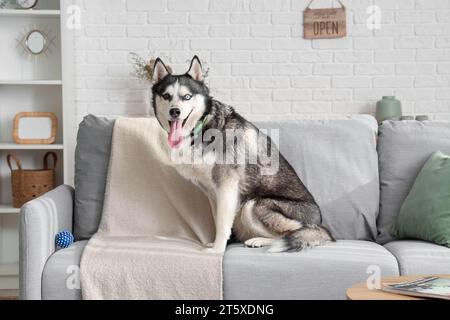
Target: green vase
388,108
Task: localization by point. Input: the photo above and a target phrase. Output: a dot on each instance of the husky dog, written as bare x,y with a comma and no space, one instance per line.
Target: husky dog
262,210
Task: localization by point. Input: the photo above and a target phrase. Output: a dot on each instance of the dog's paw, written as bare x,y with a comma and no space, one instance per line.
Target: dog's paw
213,250
258,242
215,247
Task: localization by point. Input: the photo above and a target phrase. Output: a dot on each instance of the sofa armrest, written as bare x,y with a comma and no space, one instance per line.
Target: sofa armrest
40,220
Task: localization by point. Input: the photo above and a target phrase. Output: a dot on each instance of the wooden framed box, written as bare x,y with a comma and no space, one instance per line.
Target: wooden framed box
35,128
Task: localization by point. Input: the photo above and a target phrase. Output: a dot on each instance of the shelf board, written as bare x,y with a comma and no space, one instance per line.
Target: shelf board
9,294
31,82
29,13
15,146
7,208
9,269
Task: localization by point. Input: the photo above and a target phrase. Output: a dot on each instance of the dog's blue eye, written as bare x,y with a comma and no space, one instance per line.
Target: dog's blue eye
187,97
166,96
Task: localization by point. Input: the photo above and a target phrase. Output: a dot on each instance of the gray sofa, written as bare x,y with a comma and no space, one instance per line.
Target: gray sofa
358,173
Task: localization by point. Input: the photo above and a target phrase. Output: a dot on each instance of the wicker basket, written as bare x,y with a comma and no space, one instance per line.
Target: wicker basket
29,184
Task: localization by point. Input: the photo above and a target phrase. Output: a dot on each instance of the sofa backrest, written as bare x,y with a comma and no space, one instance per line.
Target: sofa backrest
336,159
91,167
403,149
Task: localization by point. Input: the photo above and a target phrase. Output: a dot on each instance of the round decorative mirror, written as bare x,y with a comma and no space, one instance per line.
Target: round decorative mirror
36,42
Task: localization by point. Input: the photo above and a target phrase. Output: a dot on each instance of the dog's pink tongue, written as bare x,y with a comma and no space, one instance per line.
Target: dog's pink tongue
176,134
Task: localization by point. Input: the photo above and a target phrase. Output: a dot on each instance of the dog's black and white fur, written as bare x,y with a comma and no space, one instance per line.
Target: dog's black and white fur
262,210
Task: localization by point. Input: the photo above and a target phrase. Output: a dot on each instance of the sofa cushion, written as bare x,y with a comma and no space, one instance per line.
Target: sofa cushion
321,273
337,161
403,149
420,257
61,275
91,168
425,214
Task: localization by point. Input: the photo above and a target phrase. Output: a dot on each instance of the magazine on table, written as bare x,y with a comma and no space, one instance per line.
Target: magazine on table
428,287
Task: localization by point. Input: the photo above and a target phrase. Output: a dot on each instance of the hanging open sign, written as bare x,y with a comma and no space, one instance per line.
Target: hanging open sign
324,23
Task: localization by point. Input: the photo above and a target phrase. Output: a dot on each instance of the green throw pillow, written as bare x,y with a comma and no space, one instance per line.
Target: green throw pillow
425,213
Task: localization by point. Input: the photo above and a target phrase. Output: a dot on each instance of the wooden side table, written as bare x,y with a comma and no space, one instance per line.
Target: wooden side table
360,291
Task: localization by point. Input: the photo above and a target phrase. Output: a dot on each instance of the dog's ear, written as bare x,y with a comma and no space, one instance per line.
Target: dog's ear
159,71
195,70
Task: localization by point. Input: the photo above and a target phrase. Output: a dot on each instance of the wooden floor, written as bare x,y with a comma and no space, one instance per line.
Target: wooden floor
9,294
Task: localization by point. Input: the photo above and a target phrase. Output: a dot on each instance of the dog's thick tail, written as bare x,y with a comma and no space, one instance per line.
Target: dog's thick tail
308,236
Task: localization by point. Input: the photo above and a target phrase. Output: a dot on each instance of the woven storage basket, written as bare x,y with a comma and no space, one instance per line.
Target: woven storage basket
30,184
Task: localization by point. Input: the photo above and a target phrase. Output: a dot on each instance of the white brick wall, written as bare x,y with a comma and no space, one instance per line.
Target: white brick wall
258,59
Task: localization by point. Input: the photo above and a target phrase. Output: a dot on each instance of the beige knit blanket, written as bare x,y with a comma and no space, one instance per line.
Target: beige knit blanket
153,228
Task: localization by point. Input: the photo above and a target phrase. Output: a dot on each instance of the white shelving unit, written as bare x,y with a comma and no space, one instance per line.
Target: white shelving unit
13,146
29,13
40,84
8,209
31,82
8,274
